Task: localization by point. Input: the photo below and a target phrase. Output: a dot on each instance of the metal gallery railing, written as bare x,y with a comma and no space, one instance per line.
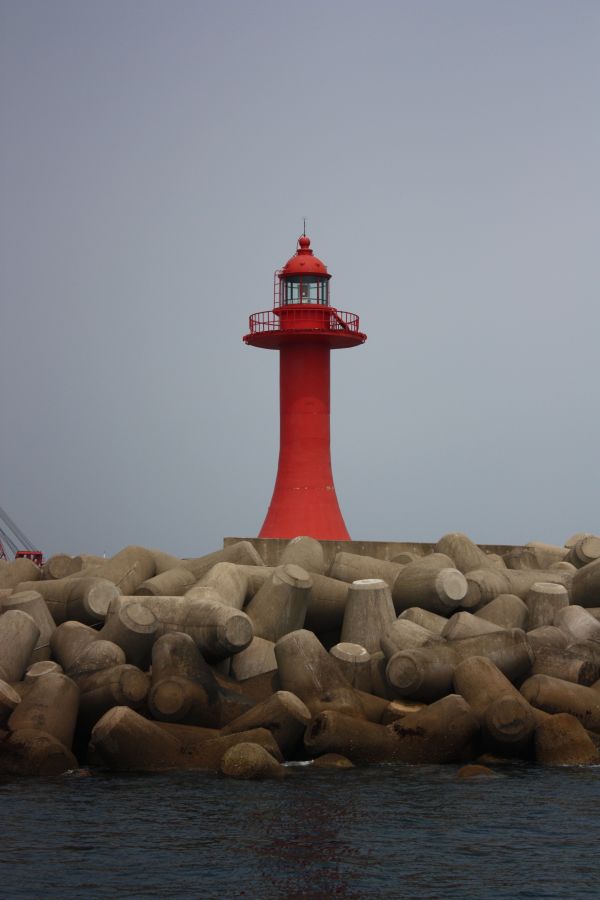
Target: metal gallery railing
308,319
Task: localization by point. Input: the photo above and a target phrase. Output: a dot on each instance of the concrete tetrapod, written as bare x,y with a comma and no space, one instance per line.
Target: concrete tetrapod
13,573
484,585
232,704
326,603
18,636
256,659
307,670
547,554
39,669
572,540
522,558
255,576
543,601
125,741
84,599
577,624
464,624
250,762
241,552
9,700
496,559
403,634
86,560
69,640
51,706
437,734
127,569
369,613
305,552
183,684
431,583
585,587
190,736
507,720
184,687
565,664
398,709
535,555
384,712
218,630
547,636
380,685
405,556
32,752
172,583
589,650
351,567
279,607
122,685
229,580
33,603
561,740
586,550
209,754
505,610
164,561
563,566
354,662
283,714
359,740
426,674
61,565
96,657
426,619
508,649
133,627
89,599
465,554
553,695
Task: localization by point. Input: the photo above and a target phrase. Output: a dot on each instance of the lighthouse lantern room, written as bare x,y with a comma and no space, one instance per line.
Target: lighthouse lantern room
304,327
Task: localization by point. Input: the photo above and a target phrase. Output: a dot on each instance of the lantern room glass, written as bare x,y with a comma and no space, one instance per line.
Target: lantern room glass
305,289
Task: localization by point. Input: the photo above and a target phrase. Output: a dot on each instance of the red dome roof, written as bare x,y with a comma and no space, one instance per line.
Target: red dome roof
304,262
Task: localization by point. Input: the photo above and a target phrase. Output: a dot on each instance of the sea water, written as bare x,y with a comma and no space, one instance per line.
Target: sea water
382,831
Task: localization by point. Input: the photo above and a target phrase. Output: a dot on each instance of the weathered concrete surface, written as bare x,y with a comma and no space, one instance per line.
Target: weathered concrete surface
202,640
270,549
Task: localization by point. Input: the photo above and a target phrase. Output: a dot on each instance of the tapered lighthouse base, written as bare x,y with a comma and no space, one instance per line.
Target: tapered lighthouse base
304,499
314,512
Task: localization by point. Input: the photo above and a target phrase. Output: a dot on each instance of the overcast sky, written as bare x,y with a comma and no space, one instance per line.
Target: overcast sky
157,159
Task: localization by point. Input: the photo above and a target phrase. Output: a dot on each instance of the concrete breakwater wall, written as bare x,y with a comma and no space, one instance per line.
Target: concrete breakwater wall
270,549
266,652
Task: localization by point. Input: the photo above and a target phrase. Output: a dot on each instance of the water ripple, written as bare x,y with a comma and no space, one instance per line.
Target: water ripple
386,831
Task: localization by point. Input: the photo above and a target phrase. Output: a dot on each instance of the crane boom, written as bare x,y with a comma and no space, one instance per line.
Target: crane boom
16,531
6,539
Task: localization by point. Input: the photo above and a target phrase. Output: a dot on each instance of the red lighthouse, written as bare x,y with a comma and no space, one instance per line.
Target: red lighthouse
304,327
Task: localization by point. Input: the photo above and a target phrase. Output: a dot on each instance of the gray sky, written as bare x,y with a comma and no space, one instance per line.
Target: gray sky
156,161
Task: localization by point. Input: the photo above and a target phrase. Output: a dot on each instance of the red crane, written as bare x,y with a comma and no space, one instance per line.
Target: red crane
304,327
7,526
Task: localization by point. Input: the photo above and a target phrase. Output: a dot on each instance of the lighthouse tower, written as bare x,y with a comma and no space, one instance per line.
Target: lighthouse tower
304,327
